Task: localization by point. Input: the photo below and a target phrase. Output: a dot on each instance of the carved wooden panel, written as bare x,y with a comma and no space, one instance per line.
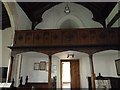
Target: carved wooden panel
46,37
113,37
19,38
69,37
118,37
29,38
56,37
83,37
93,36
38,38
102,37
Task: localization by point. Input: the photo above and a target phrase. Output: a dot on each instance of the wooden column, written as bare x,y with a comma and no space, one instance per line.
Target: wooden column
49,73
10,69
92,72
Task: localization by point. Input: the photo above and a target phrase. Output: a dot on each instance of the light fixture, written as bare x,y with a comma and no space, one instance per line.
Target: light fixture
70,55
67,9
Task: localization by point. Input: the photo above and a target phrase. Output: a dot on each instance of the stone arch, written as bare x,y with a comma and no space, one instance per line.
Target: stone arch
7,6
18,18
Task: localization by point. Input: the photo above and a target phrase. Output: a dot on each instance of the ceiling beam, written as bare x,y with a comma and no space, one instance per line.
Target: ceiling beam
114,19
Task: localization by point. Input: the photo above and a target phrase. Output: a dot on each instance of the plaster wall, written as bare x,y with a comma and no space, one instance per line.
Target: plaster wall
7,38
19,21
83,66
0,48
79,17
84,71
104,63
27,68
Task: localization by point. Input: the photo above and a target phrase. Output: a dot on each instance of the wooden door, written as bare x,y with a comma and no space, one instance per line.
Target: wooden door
75,74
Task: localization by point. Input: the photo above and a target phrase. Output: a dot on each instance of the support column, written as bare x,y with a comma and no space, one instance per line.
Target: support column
92,72
49,73
10,69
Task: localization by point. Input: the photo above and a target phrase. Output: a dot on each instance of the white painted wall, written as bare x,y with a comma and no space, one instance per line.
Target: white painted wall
84,71
104,62
19,21
83,62
56,62
7,38
16,70
0,48
119,18
24,68
80,17
27,67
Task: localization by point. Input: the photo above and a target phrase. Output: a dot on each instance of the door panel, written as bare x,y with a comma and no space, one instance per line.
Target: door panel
75,75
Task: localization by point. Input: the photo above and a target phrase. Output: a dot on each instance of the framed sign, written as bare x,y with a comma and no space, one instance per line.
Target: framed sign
36,66
42,65
117,63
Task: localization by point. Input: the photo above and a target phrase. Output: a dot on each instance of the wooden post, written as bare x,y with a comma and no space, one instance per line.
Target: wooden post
49,73
10,69
92,72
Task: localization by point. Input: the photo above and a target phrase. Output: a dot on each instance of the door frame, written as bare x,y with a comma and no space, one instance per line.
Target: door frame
63,60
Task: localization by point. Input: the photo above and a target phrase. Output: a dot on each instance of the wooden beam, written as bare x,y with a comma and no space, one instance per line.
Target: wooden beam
92,72
114,19
49,72
70,47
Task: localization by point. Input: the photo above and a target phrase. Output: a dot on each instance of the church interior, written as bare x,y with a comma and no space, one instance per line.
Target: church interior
72,45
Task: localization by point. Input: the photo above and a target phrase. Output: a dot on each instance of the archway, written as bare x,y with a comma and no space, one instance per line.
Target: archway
84,66
106,59
30,64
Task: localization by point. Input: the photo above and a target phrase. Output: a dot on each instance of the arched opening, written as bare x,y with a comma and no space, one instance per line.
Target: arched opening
106,59
30,64
84,69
